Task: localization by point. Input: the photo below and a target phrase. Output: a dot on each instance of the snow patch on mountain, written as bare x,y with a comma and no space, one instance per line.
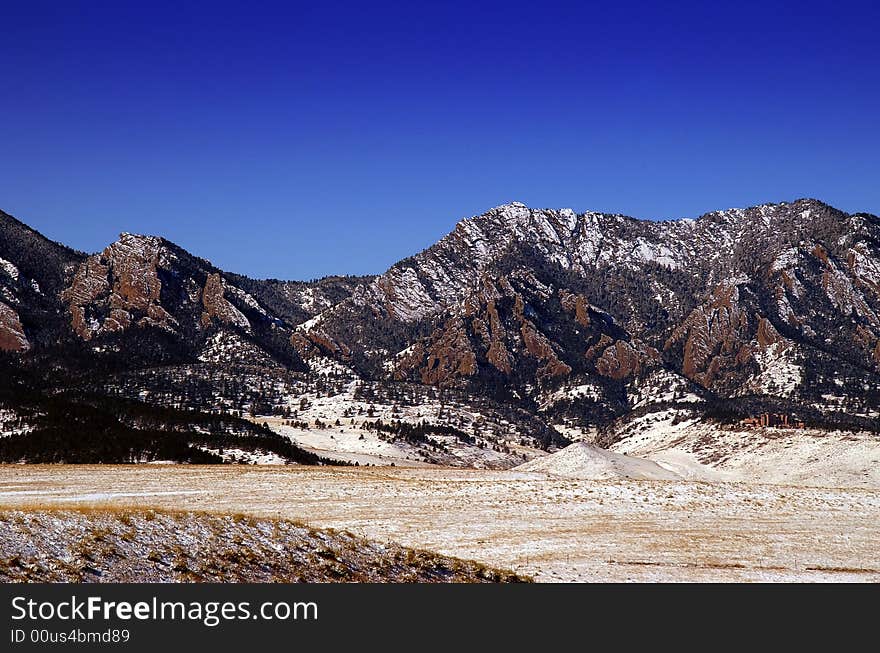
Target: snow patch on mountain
780,374
590,391
653,253
660,386
244,298
787,258
226,346
328,366
9,269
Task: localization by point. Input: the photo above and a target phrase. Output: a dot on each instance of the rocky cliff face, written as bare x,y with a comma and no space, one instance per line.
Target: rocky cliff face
119,287
217,307
12,336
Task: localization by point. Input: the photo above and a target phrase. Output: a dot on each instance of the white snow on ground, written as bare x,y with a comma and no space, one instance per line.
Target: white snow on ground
584,391
557,529
231,454
324,365
497,443
836,459
687,466
391,364
225,346
307,299
9,424
658,387
311,323
787,258
244,298
351,445
577,433
831,403
706,451
651,252
404,293
587,461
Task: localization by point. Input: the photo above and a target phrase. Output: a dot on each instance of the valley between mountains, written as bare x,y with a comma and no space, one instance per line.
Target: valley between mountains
567,368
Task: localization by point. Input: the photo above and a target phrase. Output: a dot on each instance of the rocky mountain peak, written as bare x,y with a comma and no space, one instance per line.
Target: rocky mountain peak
118,287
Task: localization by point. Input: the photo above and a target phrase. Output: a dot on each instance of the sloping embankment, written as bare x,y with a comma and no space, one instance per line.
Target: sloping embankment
158,546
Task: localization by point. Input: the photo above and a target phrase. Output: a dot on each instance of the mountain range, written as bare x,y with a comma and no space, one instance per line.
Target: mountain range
519,331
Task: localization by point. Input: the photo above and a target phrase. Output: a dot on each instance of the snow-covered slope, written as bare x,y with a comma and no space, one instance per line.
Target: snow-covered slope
704,450
127,546
587,461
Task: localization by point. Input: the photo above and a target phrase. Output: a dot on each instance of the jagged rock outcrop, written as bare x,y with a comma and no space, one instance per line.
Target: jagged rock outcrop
217,308
450,356
313,343
119,287
713,337
577,304
538,345
12,336
624,360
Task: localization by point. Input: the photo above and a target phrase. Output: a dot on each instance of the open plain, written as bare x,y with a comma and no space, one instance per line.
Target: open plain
553,529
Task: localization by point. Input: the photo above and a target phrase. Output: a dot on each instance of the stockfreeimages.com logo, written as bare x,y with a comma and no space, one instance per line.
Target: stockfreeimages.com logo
210,613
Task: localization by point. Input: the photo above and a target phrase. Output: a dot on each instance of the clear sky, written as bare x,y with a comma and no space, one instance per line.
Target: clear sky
297,140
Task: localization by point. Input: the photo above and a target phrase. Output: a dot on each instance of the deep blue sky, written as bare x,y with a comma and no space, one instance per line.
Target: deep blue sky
295,141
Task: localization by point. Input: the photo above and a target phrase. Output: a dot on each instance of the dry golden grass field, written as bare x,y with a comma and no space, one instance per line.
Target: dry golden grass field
549,528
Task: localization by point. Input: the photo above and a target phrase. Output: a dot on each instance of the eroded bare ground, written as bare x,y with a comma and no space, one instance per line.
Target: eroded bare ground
552,529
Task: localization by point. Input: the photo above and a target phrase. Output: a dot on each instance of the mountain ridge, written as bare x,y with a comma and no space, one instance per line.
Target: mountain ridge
562,316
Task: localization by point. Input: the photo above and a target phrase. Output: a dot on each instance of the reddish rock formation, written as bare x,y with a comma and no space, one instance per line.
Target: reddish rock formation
328,344
497,353
578,304
301,344
390,294
119,287
594,351
712,335
787,280
450,356
623,360
217,307
537,344
767,334
315,343
12,336
481,330
409,362
869,342
90,282
539,347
